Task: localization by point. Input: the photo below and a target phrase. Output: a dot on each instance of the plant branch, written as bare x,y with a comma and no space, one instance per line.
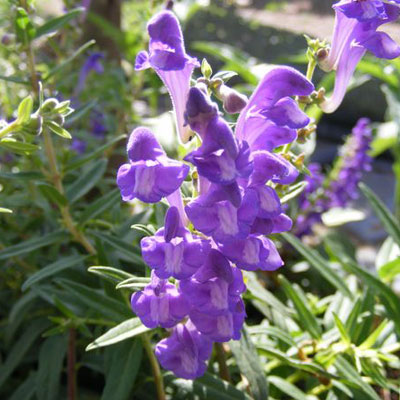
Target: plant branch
221,359
158,379
71,363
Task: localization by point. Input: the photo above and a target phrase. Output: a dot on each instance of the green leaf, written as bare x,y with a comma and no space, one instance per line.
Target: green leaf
87,181
23,26
134,283
100,150
101,205
265,296
17,146
26,175
390,270
125,330
52,269
52,194
319,263
289,389
372,370
273,331
66,62
30,245
26,390
51,357
112,274
351,322
385,293
96,300
389,222
342,329
225,75
207,387
5,210
58,130
20,348
385,138
305,317
122,366
121,246
294,191
25,110
206,69
373,337
56,23
311,368
249,364
347,370
14,79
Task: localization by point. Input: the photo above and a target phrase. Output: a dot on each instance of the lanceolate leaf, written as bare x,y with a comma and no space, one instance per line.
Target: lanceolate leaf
249,364
56,23
389,222
125,330
32,244
319,264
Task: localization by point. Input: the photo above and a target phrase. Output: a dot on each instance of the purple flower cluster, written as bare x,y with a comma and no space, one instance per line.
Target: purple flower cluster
355,33
343,184
197,278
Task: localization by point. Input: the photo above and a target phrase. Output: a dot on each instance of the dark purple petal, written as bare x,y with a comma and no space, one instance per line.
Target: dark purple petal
172,224
185,351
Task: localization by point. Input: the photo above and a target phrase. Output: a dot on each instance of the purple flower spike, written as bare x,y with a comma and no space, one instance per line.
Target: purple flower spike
174,251
159,304
355,33
169,60
270,104
253,253
150,175
185,352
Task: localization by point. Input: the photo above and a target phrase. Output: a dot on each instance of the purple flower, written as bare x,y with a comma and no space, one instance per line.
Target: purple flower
168,58
354,162
92,63
159,304
174,251
78,146
271,117
355,33
150,175
253,253
185,352
98,127
221,158
214,214
214,294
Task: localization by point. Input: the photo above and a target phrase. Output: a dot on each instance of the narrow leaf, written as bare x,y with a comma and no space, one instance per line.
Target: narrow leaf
249,364
388,220
56,23
125,330
319,264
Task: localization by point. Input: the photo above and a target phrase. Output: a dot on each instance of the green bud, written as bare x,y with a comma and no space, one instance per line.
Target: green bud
48,106
206,69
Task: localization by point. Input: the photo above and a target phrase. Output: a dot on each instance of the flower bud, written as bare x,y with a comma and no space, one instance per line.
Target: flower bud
233,101
49,105
6,39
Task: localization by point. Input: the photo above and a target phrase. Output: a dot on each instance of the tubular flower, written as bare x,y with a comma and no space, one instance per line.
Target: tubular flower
150,175
174,251
185,351
355,33
159,304
168,58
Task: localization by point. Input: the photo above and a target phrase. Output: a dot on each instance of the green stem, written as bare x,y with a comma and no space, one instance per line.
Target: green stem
57,181
158,379
221,359
8,129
